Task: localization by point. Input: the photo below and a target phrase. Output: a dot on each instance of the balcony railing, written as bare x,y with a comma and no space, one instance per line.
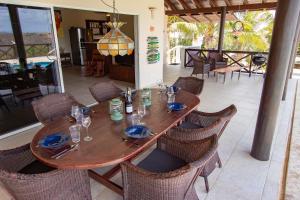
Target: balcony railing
240,58
32,50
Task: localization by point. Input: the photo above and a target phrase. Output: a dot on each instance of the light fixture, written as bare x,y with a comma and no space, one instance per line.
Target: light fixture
115,42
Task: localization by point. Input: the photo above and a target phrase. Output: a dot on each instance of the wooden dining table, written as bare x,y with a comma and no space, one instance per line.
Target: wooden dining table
108,147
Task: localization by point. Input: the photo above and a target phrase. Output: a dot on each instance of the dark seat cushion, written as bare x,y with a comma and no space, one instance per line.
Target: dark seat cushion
160,161
190,125
36,167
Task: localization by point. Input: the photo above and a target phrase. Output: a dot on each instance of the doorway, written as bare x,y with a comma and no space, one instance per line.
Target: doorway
28,63
78,32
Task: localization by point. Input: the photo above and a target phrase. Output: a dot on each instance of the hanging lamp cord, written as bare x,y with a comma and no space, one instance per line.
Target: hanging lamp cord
114,9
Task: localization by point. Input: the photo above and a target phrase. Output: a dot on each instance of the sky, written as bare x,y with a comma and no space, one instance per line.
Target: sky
32,20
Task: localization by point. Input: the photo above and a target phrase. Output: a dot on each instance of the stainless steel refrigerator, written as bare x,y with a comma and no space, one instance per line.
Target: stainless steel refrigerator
77,39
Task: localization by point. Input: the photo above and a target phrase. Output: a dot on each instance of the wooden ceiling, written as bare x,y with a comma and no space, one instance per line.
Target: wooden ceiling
209,10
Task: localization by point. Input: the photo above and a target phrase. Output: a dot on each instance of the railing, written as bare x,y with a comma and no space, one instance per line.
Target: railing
240,58
32,50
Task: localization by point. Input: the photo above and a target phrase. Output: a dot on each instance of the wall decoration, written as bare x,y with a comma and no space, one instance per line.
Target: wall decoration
153,55
58,23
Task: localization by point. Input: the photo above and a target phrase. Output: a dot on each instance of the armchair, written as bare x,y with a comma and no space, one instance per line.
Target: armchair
216,60
169,172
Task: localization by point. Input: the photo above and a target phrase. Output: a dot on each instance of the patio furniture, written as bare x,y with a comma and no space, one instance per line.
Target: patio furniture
3,103
216,60
96,65
5,68
110,146
190,84
225,70
169,171
66,59
27,179
104,91
199,125
258,60
200,67
53,106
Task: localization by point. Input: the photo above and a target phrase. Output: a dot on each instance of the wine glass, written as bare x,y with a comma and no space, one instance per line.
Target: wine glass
86,122
141,110
74,111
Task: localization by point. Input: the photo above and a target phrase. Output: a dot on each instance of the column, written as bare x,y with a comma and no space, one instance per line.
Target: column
221,32
285,29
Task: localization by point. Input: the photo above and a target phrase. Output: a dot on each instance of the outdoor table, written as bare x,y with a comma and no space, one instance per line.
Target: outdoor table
228,69
108,146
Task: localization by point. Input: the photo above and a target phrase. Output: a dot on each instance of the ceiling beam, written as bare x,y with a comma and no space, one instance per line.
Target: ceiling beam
197,3
171,5
184,4
194,18
212,3
259,6
227,2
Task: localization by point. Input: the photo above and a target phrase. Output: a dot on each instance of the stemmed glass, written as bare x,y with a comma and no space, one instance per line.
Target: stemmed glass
74,111
141,110
86,122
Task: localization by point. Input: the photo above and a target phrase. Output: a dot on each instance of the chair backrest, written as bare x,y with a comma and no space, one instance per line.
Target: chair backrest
53,106
104,91
198,65
215,55
190,84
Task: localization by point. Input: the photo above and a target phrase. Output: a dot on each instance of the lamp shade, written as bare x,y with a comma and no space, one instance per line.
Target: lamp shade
115,42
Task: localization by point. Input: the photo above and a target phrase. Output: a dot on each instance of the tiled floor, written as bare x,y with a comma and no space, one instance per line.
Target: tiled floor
241,177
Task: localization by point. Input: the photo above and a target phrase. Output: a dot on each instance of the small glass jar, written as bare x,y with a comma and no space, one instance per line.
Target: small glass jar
146,97
116,105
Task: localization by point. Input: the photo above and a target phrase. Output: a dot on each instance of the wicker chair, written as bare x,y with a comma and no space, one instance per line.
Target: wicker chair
190,84
17,173
216,60
199,125
200,67
104,91
169,172
53,106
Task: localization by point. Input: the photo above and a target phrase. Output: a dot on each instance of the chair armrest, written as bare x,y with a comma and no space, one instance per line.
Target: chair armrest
188,151
185,134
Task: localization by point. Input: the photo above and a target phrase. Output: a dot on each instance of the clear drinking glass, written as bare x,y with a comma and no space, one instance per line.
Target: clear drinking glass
75,132
135,119
86,122
141,110
74,111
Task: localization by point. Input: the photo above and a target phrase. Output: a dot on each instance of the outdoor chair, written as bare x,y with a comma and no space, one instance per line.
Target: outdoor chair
53,106
169,171
216,60
190,84
27,179
200,67
5,68
104,91
199,125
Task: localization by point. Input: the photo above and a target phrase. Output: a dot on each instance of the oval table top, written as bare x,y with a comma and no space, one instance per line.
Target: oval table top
108,146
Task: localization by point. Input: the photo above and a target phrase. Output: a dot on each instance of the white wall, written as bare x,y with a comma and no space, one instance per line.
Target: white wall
148,74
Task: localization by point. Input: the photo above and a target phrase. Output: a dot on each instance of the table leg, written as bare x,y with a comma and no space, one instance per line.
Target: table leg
231,75
239,74
109,184
224,78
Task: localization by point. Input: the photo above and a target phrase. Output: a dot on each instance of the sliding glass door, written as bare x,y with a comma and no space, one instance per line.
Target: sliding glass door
28,63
